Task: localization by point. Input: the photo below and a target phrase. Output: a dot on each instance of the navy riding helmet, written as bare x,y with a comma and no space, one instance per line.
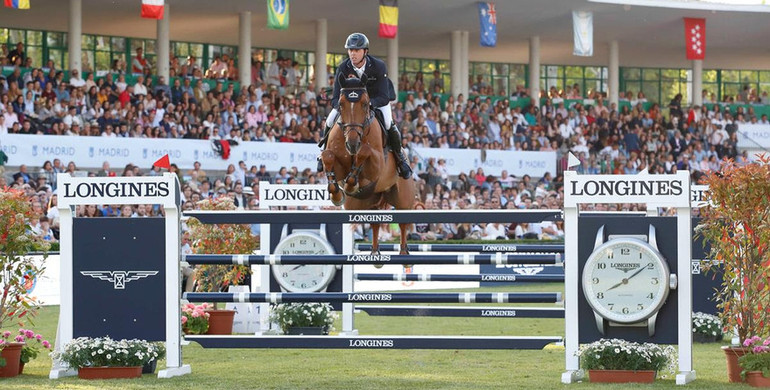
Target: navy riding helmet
357,41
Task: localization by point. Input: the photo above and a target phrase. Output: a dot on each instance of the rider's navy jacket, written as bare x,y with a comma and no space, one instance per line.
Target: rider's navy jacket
378,86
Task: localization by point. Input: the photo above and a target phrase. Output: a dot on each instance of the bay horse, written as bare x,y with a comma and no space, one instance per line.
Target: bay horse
361,171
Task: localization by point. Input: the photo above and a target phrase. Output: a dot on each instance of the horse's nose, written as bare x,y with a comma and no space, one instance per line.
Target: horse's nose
352,147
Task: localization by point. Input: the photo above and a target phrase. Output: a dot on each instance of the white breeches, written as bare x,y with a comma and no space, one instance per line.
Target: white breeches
387,115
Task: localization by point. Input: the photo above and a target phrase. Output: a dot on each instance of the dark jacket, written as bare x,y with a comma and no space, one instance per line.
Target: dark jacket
378,85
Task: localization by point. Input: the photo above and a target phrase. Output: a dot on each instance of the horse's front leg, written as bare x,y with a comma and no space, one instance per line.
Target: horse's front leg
329,161
352,181
376,241
404,247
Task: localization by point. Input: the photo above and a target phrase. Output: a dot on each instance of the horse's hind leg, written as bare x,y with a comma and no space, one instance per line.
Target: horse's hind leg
337,196
404,247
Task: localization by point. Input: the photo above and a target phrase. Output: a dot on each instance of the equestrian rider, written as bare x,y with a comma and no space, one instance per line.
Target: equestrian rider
379,88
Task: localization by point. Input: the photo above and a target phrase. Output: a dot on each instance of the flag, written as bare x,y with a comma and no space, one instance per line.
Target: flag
388,18
488,20
583,31
695,38
152,9
162,162
278,14
18,4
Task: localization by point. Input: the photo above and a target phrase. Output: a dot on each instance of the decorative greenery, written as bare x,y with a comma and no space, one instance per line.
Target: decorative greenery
291,315
738,232
33,342
707,324
616,354
195,319
106,352
16,269
220,239
758,358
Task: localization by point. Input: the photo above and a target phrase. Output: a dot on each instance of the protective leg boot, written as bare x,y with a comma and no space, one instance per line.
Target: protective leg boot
402,165
322,145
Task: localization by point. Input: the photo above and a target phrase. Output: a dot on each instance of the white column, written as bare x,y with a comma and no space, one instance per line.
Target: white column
464,64
393,61
321,78
73,35
455,63
244,48
613,83
534,69
163,45
697,82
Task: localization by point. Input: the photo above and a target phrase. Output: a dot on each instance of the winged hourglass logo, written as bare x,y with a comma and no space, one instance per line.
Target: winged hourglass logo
119,278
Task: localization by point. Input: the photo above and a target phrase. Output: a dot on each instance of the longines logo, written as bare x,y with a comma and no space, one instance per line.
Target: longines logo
370,218
627,188
625,267
113,190
119,278
375,258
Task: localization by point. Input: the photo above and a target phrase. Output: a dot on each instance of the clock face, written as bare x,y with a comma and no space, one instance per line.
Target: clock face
303,278
626,280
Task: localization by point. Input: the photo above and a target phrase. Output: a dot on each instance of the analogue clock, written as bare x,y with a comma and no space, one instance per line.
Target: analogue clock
626,280
307,277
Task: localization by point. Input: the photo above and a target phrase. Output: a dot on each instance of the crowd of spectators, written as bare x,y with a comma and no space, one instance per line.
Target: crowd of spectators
275,108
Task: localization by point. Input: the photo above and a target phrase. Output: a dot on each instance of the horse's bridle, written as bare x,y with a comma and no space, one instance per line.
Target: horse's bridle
358,127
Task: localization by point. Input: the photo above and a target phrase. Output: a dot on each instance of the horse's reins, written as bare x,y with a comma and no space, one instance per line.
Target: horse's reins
360,128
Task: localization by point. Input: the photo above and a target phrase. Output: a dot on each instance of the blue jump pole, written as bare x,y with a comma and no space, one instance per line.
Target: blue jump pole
542,297
496,258
550,248
502,278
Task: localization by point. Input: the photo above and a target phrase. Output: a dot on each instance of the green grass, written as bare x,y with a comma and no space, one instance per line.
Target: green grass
233,369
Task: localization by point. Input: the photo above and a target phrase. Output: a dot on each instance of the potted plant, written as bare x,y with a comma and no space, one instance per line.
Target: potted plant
105,358
621,361
16,269
304,318
10,354
706,328
195,319
159,351
33,342
736,230
755,365
220,239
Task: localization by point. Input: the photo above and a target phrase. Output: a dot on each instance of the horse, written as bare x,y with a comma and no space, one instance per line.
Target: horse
361,171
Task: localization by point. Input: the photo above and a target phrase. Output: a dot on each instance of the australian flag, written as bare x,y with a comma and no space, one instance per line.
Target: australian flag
488,23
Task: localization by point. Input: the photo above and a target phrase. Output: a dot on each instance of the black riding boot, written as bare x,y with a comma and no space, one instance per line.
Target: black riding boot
322,145
394,140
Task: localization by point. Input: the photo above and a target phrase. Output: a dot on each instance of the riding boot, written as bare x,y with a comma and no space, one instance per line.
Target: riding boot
394,140
322,145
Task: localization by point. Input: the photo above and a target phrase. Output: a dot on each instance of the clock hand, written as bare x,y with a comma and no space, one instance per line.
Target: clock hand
636,273
625,280
301,265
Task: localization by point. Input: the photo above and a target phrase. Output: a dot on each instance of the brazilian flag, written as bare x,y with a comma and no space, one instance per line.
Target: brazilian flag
278,14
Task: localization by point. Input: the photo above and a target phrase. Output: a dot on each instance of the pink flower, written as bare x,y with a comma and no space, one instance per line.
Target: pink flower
38,337
46,344
195,314
204,305
19,339
189,306
758,349
6,334
30,334
184,320
766,342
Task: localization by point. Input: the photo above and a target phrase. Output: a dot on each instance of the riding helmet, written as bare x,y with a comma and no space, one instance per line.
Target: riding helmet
357,41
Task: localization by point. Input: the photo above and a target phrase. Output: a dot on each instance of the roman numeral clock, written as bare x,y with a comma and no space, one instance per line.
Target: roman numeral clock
626,280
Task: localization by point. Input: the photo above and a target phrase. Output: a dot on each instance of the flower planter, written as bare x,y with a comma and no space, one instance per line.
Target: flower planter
706,338
756,379
109,372
308,330
733,369
621,376
220,321
150,367
12,355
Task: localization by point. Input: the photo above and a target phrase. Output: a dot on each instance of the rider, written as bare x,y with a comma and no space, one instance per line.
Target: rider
379,88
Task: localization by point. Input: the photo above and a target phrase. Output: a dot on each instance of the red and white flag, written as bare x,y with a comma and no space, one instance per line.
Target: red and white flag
695,38
152,9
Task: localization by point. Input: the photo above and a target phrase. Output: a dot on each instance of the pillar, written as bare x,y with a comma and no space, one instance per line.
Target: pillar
393,61
163,45
455,63
614,74
697,82
464,64
244,48
321,49
74,35
534,69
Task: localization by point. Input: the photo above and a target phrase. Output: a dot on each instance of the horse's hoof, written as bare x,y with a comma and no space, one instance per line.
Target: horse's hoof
378,265
408,266
341,201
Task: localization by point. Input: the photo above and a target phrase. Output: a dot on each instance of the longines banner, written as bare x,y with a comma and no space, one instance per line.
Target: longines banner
91,152
672,190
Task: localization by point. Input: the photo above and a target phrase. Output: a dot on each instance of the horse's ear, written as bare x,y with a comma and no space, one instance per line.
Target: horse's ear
363,80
